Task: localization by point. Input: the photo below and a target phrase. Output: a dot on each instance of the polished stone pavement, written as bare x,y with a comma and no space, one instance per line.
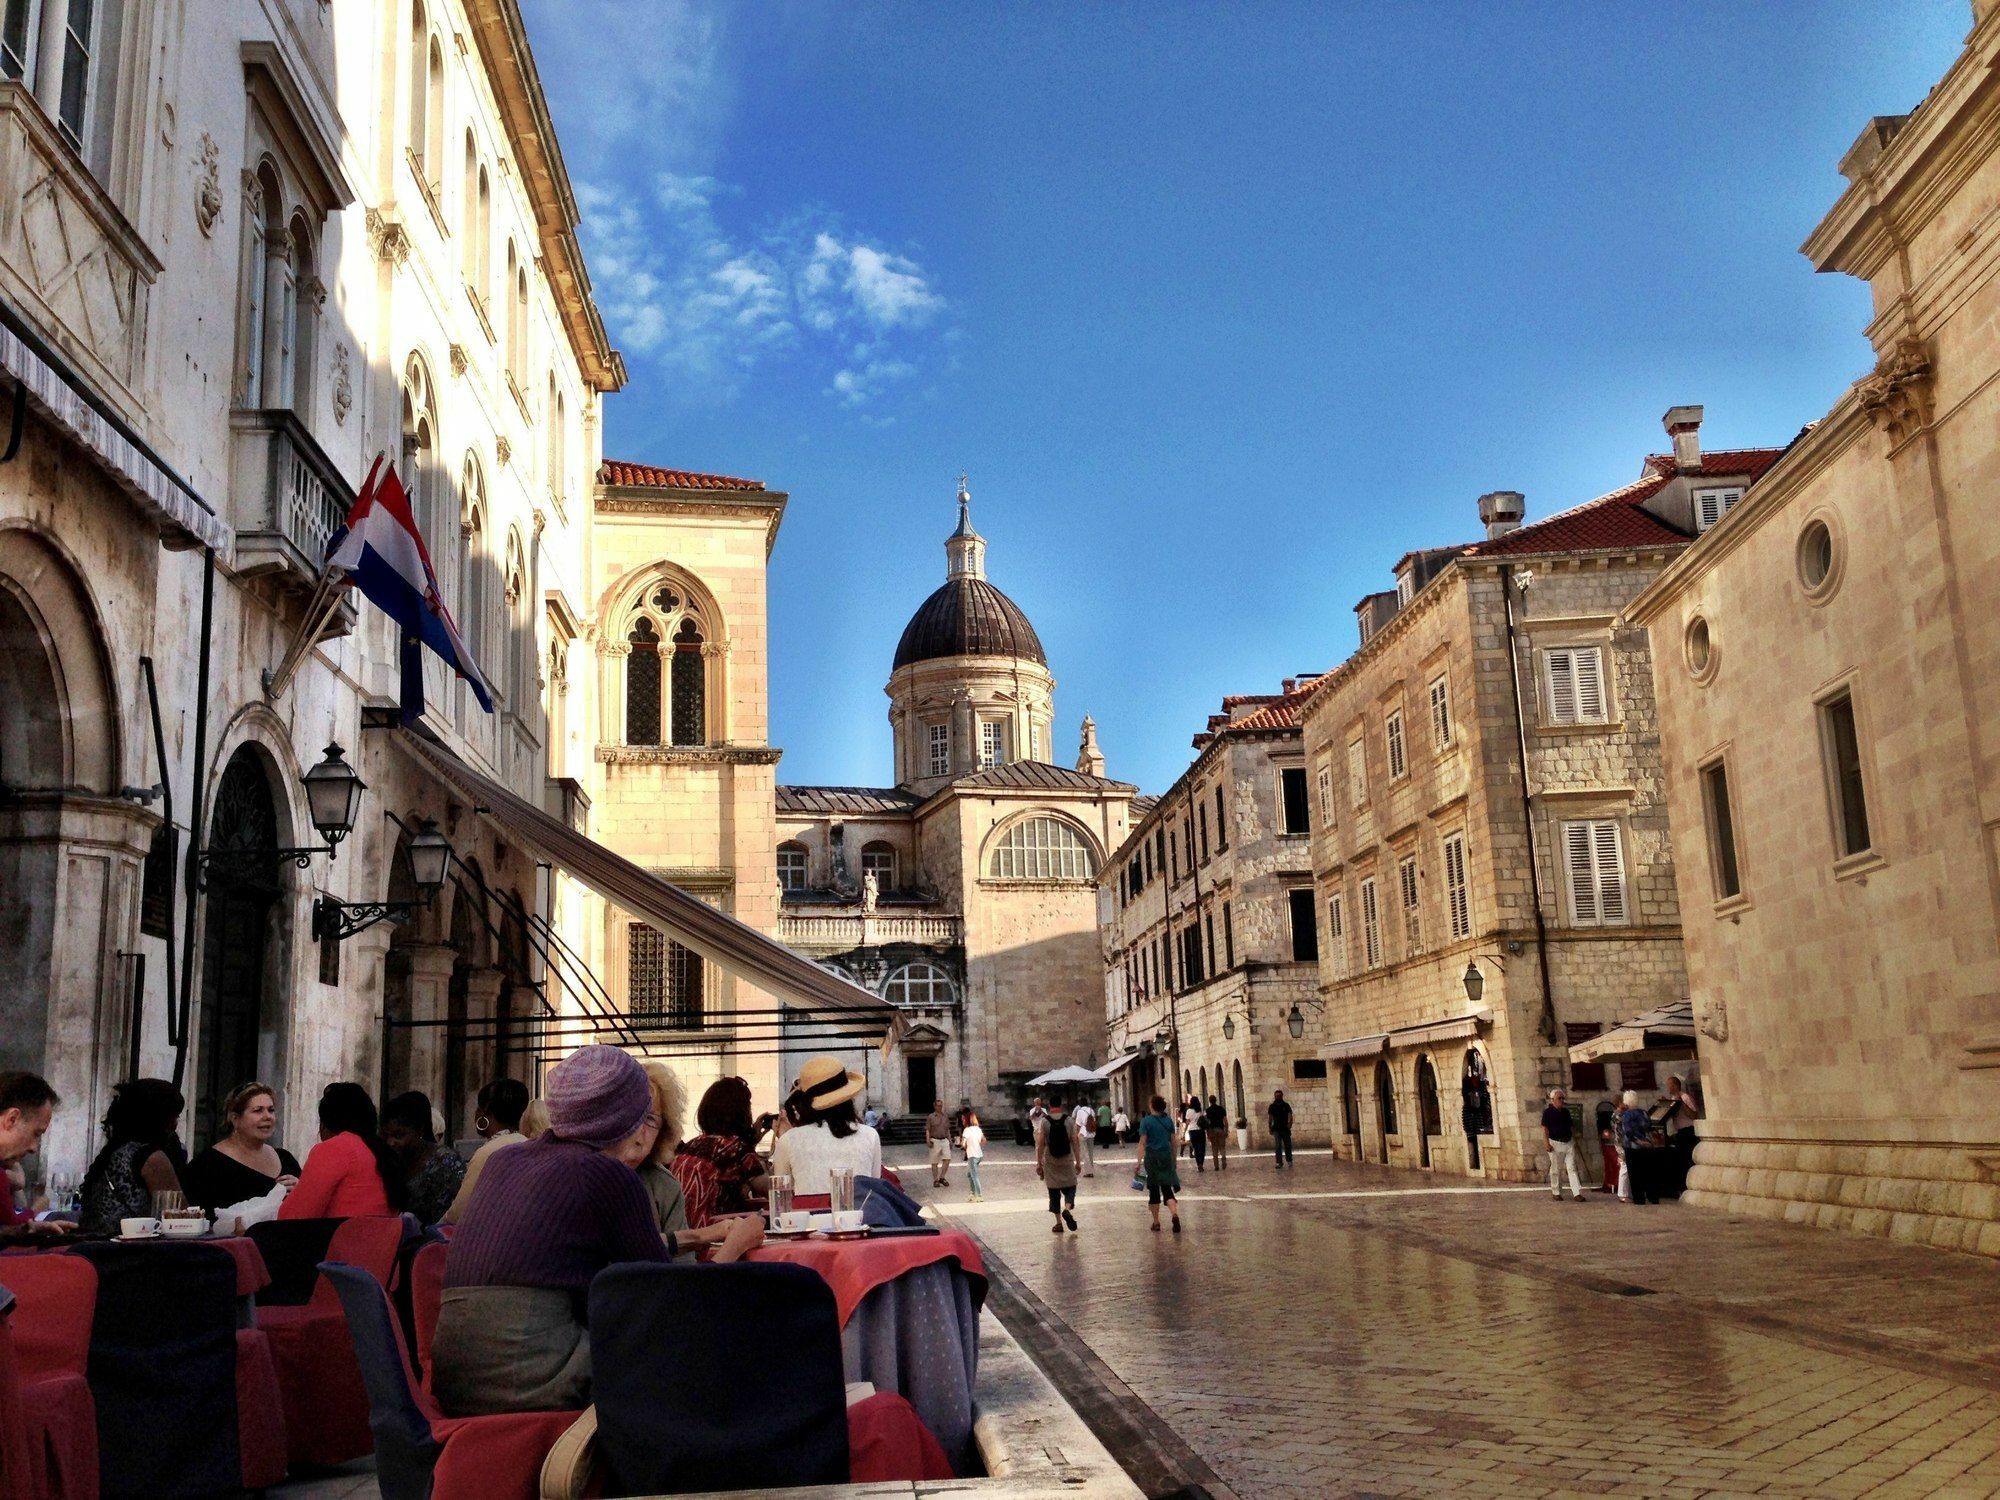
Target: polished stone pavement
1354,1330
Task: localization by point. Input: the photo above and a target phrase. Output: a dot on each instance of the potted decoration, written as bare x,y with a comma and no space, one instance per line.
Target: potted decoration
1242,1134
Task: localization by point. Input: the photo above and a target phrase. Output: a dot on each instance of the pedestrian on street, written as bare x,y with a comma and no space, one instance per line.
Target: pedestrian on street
1679,1116
1121,1124
1280,1114
1055,1163
1156,1163
937,1137
1559,1135
1216,1121
1635,1132
973,1139
1191,1121
1086,1137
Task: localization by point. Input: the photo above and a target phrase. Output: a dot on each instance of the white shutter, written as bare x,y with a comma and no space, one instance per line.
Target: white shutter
1357,775
1441,713
1397,763
1454,879
1581,872
1562,686
1336,933
1589,685
1709,503
1610,872
1371,924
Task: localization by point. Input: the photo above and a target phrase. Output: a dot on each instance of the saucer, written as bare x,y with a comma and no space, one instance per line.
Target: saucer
848,1234
790,1234
135,1239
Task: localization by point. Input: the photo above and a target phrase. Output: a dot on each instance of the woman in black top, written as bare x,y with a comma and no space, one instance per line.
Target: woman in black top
142,1154
243,1164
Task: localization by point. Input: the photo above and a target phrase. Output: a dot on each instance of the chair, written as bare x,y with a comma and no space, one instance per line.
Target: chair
682,1359
54,1309
421,1454
326,1406
426,1296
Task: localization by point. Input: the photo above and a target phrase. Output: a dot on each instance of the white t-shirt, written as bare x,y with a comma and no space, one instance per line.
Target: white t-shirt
975,1143
811,1154
1085,1117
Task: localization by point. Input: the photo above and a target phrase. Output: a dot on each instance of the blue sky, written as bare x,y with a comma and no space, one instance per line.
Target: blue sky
1223,308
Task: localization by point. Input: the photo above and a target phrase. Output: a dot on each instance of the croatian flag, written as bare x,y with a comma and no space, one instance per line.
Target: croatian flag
382,553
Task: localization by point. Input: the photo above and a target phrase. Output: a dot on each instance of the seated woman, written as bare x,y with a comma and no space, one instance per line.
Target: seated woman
142,1155
350,1172
657,1133
724,1146
243,1164
431,1172
826,1136
501,1105
547,1216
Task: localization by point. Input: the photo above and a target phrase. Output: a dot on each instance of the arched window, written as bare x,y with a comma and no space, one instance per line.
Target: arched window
420,38
513,345
919,984
1236,1071
482,273
475,594
1042,849
792,866
518,650
642,684
420,455
304,318
433,145
690,690
1350,1102
521,325
558,439
1385,1098
879,858
1202,1076
468,222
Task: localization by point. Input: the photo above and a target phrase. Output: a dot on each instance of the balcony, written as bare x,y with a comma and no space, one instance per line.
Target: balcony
290,499
841,932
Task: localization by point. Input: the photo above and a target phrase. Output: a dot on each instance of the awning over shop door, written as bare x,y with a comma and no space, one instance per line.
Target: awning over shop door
1124,1060
1663,1035
1355,1046
732,946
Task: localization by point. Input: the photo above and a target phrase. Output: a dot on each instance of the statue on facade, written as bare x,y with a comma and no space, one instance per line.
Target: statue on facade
870,888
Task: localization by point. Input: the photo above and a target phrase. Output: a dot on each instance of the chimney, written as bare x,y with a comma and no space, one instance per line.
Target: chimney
1683,424
1502,511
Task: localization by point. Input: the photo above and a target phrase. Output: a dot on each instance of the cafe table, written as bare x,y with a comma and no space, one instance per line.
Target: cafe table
909,1319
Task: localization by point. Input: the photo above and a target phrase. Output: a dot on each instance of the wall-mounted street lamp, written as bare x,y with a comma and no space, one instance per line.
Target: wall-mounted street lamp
333,797
1295,1023
1475,983
430,861
1229,1028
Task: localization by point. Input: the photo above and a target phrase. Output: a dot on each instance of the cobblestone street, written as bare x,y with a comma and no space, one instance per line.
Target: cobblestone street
1343,1330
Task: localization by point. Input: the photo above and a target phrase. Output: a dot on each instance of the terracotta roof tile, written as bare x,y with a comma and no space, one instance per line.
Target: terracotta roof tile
1620,519
647,476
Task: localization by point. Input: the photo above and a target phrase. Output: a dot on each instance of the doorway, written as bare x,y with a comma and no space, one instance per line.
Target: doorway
921,1079
1385,1108
1430,1120
1350,1108
242,897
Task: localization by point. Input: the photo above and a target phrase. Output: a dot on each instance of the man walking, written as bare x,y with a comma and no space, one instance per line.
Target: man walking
937,1136
1217,1121
1281,1128
1559,1135
1086,1137
1055,1164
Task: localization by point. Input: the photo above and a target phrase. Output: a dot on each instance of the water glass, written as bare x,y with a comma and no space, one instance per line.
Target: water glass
168,1205
781,1197
842,1191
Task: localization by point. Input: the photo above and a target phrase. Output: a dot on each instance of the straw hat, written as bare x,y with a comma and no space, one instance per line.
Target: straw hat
825,1081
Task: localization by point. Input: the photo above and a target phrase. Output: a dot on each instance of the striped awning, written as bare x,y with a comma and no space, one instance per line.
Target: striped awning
1419,1035
1121,1061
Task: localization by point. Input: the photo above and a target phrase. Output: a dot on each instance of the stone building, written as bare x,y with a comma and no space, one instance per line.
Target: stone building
966,893
1210,939
1478,914
1829,686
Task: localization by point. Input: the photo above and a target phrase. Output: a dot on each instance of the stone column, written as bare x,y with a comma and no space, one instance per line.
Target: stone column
430,1001
482,1058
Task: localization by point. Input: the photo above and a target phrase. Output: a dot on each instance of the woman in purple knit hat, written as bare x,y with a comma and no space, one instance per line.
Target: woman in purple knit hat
547,1216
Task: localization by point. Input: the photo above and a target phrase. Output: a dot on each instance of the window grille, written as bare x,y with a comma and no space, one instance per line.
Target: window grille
1594,865
792,867
642,685
690,687
1042,849
663,979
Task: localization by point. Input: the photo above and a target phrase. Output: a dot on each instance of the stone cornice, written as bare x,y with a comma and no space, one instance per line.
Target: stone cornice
688,755
725,505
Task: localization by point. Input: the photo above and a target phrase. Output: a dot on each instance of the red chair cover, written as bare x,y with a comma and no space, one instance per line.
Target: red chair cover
888,1442
19,1479
495,1458
325,1405
426,1297
55,1309
260,1411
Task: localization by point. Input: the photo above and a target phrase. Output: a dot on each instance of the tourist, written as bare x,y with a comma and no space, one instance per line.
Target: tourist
243,1164
728,1143
350,1172
1156,1163
1559,1137
1085,1116
973,1140
142,1155
827,1137
535,1119
1121,1125
1280,1116
872,1118
1194,1126
1055,1163
937,1138
649,1150
432,1171
548,1216
497,1119
27,1105
1216,1121
1678,1117
1635,1134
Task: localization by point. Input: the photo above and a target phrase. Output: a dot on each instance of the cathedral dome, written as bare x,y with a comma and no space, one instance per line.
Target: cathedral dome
968,617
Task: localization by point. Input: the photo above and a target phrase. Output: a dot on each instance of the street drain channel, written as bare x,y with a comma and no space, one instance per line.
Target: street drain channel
1631,1291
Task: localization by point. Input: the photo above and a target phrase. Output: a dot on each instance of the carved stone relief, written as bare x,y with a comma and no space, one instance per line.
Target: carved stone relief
343,384
208,185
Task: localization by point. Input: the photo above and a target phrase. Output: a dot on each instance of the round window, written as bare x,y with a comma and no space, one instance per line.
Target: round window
1816,556
1700,649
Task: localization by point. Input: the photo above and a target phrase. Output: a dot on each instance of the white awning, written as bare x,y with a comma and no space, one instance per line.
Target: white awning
182,519
733,946
1441,1031
1663,1035
1123,1060
1355,1046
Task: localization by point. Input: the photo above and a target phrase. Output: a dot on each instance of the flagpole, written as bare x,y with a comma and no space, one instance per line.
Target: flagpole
325,600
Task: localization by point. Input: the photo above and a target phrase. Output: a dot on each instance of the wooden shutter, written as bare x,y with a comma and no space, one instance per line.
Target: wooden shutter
1710,502
1371,924
1441,713
1454,880
1562,686
1357,775
1581,872
1397,763
1336,932
1589,685
1610,872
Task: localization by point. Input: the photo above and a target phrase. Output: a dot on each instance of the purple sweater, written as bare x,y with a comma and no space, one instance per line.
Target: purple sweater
551,1213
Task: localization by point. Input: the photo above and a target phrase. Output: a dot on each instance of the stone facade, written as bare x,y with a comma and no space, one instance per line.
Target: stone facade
1212,856
1846,977
1478,916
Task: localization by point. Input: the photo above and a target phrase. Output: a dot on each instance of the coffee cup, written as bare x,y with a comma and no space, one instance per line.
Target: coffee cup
847,1220
793,1220
139,1229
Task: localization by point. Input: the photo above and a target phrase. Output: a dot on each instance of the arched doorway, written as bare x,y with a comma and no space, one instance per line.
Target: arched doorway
241,943
1430,1120
1350,1107
1385,1108
1236,1069
1476,1107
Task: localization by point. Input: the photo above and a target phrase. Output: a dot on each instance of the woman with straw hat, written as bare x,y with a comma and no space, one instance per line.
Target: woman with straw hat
826,1137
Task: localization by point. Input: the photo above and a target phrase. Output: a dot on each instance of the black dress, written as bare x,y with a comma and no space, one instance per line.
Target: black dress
213,1180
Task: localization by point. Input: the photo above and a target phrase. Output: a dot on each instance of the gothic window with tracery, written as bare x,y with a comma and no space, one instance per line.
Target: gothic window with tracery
690,690
642,684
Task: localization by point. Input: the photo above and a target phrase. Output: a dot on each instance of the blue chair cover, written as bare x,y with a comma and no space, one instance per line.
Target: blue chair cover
717,1378
884,1203
405,1450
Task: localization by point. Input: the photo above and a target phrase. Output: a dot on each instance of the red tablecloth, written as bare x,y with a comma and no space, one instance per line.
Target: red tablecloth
854,1268
252,1276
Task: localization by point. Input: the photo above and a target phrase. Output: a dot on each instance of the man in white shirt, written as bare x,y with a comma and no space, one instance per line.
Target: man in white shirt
1086,1138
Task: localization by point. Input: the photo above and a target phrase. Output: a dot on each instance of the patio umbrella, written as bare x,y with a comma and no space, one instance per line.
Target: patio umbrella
1070,1074
1663,1035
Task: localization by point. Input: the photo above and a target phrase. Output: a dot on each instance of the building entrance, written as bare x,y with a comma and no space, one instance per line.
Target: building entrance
242,901
922,1079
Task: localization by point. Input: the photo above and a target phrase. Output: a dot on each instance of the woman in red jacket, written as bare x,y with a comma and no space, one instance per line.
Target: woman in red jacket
350,1172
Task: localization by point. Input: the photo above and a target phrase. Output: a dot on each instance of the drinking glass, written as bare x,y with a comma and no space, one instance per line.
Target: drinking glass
168,1204
781,1197
842,1192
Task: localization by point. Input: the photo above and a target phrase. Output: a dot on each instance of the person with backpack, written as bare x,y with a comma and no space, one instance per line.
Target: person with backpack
1217,1121
1055,1163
